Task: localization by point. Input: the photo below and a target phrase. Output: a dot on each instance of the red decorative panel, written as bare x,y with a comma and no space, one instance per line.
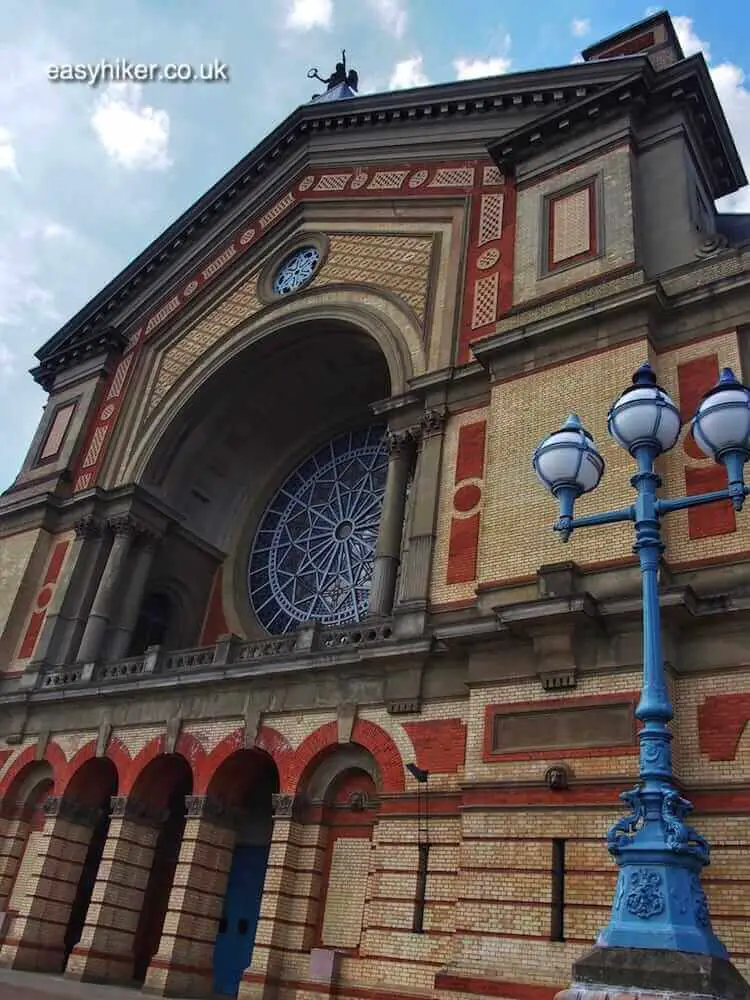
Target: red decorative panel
214,624
721,721
470,458
440,746
43,597
488,289
694,378
463,543
638,44
716,518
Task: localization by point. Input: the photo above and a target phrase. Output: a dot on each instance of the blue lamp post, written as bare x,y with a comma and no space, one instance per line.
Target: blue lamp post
659,902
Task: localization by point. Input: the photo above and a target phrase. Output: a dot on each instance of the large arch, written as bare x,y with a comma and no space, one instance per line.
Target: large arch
244,785
160,791
305,375
379,316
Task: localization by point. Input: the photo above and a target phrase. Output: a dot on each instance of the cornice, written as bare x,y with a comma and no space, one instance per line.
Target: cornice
685,82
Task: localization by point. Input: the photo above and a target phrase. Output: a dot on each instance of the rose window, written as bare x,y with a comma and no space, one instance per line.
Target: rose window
296,271
313,554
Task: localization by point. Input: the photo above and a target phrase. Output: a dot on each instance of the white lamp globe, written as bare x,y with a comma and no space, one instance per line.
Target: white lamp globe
568,458
722,421
644,415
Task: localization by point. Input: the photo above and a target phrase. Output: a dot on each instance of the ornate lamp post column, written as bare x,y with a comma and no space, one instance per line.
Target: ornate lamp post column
659,903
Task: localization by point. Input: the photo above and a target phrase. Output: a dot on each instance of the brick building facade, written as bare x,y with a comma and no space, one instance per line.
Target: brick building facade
276,550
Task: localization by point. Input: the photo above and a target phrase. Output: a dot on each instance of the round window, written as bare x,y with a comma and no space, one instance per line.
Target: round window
313,554
296,271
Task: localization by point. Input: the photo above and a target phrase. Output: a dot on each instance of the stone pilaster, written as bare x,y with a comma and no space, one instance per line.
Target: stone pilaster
417,564
124,530
14,833
391,531
66,615
35,939
105,950
125,621
290,899
183,964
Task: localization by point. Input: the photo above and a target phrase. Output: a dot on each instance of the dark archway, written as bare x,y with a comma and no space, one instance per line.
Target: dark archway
154,620
90,790
244,786
161,788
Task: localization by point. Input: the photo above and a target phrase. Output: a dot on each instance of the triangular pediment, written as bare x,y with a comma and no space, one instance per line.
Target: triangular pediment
406,127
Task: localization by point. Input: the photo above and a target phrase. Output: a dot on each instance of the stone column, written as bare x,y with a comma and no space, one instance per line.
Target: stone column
124,529
135,586
105,951
290,899
391,530
417,564
183,963
36,935
73,595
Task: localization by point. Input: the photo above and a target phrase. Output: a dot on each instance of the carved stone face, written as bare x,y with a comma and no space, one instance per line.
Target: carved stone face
556,778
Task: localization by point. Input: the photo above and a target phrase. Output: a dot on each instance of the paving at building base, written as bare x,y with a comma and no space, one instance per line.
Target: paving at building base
35,986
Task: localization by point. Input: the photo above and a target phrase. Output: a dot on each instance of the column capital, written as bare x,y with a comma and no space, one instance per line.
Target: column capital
58,807
88,526
204,807
432,422
130,808
123,525
399,443
148,539
285,805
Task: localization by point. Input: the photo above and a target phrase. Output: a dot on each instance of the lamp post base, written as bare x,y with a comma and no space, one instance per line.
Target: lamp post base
640,973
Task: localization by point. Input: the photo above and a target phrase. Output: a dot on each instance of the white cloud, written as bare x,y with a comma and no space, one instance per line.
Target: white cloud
580,26
408,73
689,40
730,82
133,134
7,361
472,69
391,14
7,152
304,15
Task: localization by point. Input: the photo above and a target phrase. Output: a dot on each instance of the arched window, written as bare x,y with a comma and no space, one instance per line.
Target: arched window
153,621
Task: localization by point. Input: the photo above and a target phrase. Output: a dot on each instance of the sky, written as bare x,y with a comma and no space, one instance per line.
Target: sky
91,174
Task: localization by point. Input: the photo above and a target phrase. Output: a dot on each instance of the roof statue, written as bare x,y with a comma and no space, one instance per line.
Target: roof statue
339,85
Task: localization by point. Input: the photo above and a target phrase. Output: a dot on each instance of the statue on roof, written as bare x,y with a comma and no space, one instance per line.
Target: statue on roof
339,75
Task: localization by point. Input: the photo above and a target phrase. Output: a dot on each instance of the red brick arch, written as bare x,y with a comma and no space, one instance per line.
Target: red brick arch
53,755
269,740
116,752
187,746
366,734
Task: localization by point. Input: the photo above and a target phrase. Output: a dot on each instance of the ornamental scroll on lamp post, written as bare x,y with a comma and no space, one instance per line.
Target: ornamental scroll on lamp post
659,937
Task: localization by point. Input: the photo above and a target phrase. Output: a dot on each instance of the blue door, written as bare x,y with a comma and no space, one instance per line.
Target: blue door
236,935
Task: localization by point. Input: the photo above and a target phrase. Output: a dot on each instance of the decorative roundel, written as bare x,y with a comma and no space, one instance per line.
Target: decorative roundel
107,411
359,180
307,182
296,271
417,179
313,554
247,237
488,259
190,287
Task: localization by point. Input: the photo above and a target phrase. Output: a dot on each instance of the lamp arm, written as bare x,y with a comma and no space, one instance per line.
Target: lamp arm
700,499
566,525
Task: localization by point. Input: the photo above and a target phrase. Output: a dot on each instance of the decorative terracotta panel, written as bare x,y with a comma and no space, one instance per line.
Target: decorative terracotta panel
463,544
572,226
474,180
43,597
56,433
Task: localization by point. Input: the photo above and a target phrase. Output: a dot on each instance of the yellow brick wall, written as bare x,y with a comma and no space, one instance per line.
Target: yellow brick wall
516,533
613,168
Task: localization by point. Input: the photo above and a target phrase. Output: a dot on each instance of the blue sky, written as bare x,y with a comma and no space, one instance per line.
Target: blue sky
89,176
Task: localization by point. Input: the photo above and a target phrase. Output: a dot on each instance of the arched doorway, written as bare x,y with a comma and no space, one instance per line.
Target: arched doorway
341,786
89,790
22,814
243,785
161,789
